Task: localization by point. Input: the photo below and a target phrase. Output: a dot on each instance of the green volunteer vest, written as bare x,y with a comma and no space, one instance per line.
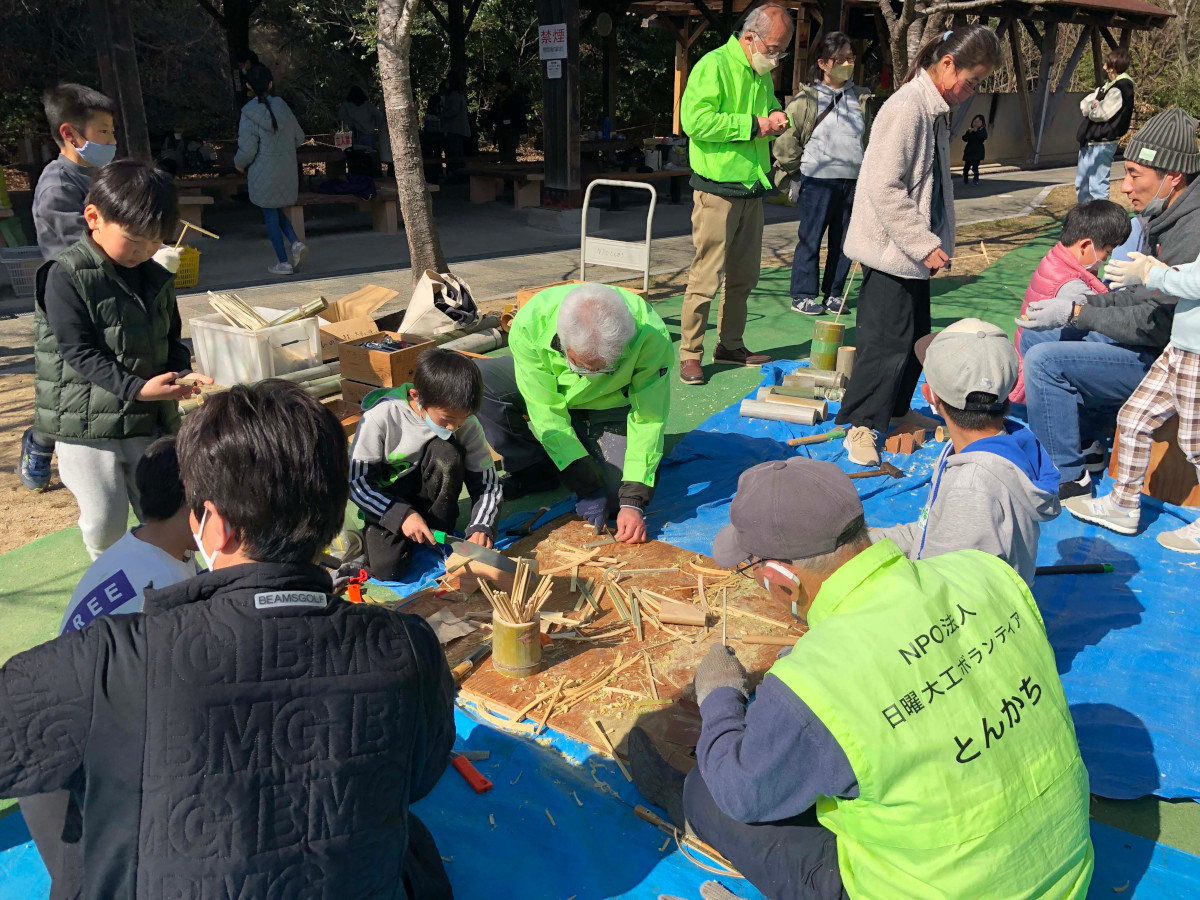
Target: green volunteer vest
938,681
67,405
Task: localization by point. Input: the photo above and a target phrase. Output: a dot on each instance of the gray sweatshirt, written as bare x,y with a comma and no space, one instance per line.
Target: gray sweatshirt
58,202
991,497
390,439
835,149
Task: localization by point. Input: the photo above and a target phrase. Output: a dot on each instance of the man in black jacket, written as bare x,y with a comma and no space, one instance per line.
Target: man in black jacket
1083,360
1107,113
249,734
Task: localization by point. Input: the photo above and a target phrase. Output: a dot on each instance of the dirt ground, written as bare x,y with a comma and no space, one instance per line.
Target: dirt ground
25,516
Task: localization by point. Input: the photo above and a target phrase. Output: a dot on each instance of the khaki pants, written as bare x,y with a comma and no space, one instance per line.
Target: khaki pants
727,233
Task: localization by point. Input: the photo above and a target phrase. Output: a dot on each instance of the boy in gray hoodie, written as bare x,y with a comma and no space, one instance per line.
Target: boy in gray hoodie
994,484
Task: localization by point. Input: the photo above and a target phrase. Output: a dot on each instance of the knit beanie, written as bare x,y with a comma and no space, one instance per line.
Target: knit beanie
1167,143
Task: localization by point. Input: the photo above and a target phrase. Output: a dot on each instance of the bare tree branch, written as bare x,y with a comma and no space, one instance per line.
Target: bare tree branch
212,11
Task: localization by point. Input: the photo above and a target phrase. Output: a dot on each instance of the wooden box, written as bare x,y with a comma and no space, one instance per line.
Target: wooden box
354,392
1171,477
377,368
348,413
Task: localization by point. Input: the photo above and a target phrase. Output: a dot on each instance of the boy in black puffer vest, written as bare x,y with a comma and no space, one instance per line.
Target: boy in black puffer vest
1107,114
107,348
248,734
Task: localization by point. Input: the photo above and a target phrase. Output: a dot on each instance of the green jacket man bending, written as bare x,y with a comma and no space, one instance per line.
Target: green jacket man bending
584,397
730,114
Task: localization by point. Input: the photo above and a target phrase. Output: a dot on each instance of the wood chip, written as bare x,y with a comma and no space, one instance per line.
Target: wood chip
712,573
550,706
551,818
650,675
492,820
611,749
576,796
518,778
747,614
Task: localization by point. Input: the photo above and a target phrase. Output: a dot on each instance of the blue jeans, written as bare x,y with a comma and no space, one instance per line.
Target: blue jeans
278,226
1073,378
824,203
1094,171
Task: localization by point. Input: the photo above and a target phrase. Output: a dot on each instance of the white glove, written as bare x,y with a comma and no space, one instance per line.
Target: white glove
1053,312
1135,270
168,258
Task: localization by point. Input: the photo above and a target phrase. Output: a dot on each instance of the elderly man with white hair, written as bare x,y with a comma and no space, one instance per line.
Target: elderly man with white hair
730,114
583,398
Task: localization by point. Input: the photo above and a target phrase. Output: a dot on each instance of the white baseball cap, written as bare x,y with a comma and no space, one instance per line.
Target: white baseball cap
970,357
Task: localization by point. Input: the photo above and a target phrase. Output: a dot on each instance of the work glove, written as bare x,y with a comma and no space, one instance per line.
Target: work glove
168,258
1043,315
720,668
593,509
1132,271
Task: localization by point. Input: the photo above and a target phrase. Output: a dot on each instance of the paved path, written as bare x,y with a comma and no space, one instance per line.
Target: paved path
485,246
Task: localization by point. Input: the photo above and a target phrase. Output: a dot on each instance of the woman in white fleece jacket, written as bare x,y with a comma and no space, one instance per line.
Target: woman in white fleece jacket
902,231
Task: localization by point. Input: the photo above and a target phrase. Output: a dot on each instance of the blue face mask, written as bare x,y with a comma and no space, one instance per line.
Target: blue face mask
440,431
98,155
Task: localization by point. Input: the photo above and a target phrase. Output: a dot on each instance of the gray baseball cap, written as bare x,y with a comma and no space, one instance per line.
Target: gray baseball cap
791,509
970,356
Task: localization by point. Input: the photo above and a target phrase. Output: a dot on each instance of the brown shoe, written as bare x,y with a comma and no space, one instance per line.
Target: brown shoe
690,371
742,357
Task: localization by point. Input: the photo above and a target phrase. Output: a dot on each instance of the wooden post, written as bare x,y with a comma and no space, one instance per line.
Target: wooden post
682,53
1097,56
560,115
117,57
1126,37
612,65
1014,39
1068,73
800,47
1049,56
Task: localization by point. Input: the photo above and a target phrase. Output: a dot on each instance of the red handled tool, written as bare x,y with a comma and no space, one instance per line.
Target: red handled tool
354,590
470,774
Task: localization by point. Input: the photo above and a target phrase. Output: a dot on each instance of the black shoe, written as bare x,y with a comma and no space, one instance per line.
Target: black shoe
531,480
1080,488
655,778
1094,459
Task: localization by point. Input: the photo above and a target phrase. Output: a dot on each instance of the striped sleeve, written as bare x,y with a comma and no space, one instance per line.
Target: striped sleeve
367,461
486,497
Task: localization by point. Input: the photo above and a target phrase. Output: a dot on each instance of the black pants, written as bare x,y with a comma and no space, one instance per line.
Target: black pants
601,431
794,859
968,165
57,840
824,205
892,314
507,141
431,488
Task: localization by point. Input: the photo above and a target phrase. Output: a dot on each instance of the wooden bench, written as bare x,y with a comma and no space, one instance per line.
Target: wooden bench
224,186
676,177
487,183
384,208
1170,478
191,207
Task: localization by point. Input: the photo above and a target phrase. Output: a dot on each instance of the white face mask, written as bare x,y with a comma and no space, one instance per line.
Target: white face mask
210,562
1094,266
760,62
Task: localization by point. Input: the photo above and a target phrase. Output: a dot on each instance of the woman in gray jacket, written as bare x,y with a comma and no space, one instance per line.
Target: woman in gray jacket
268,136
902,231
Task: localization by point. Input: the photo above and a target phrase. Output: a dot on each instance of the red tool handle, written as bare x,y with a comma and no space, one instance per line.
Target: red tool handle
478,783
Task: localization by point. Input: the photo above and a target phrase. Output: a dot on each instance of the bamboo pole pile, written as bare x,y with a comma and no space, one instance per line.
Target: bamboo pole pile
520,606
236,311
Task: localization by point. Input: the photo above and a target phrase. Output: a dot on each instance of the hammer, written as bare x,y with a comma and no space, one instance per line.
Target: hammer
884,469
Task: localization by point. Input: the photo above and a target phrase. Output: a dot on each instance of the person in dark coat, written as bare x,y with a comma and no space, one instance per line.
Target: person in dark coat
248,734
973,153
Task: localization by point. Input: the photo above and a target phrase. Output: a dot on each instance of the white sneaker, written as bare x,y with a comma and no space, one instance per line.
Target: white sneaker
860,445
917,420
1183,540
1105,512
281,269
299,253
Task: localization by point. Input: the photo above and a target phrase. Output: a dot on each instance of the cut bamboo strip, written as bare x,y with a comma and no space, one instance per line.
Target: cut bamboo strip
611,749
745,613
715,573
650,675
550,706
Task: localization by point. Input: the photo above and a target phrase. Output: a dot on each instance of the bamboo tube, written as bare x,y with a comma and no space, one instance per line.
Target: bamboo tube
769,395
779,412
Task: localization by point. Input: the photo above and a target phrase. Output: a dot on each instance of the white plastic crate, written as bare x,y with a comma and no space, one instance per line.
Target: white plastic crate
231,355
22,264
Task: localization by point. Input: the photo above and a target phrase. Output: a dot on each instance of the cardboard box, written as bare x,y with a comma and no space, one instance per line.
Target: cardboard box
375,367
353,392
524,294
350,318
348,413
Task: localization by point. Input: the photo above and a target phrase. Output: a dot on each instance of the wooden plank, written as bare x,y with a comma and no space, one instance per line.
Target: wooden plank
1097,56
1018,60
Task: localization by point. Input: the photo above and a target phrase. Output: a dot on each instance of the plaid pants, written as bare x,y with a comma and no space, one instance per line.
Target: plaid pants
1172,386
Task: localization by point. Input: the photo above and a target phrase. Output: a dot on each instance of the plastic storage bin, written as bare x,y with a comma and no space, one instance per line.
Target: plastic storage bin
232,355
22,264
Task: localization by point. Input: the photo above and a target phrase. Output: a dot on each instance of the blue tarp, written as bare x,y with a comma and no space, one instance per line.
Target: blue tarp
1126,643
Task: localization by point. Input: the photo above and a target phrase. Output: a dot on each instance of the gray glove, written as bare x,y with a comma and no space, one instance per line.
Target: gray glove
1053,312
720,668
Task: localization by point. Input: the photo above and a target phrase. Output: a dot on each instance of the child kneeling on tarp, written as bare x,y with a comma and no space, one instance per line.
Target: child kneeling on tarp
994,484
415,447
1171,387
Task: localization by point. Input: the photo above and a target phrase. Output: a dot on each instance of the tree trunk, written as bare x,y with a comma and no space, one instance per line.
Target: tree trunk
395,45
236,20
117,58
